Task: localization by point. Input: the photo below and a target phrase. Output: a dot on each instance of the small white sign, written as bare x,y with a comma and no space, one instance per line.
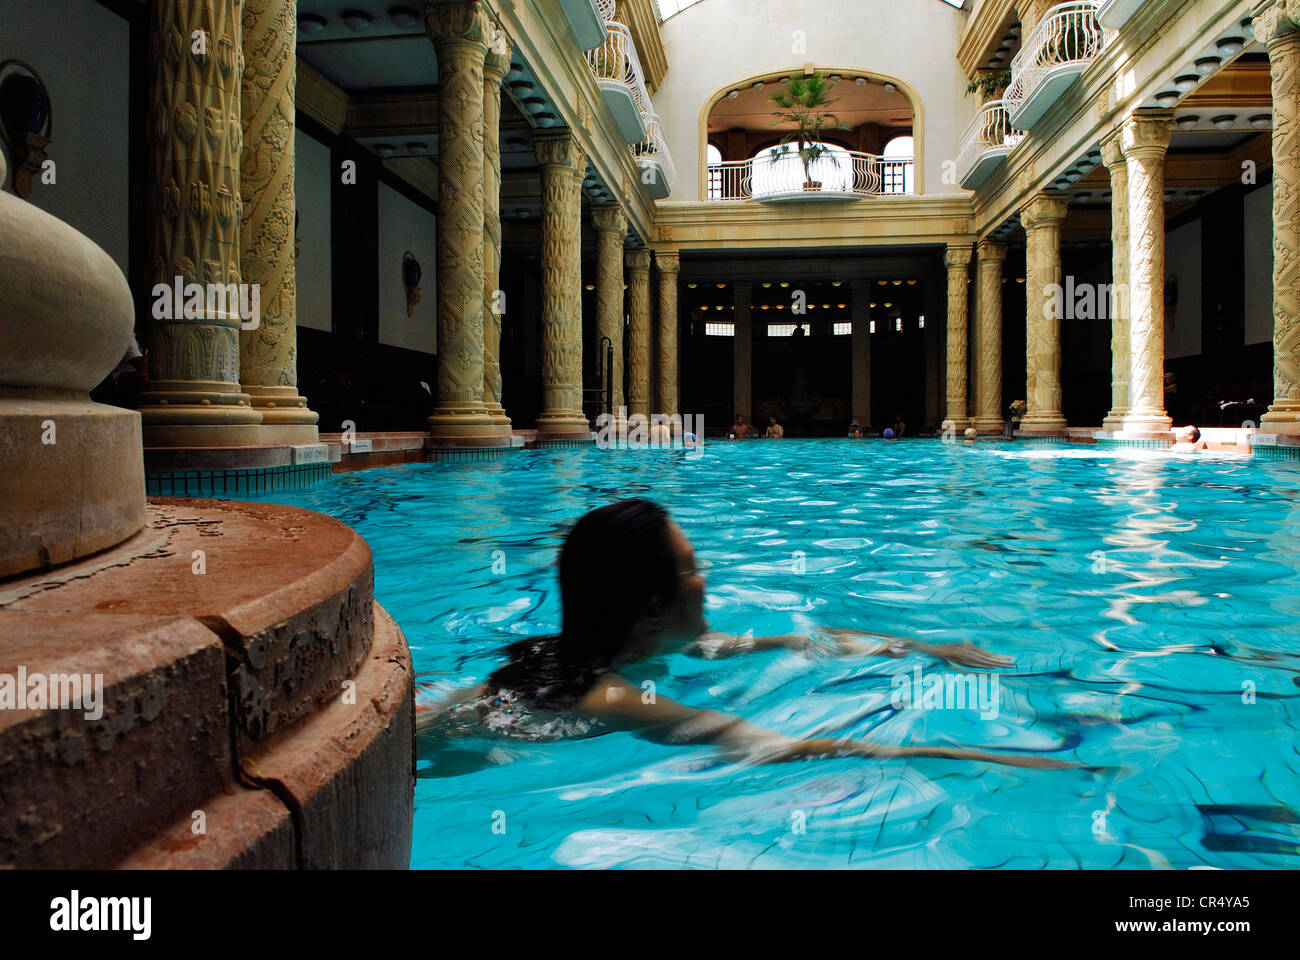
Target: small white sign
311,453
1264,439
359,446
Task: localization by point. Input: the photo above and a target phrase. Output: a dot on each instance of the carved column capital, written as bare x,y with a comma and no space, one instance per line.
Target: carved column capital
557,149
958,256
638,259
451,23
991,250
669,262
1277,23
1145,135
497,60
1043,209
609,219
1112,150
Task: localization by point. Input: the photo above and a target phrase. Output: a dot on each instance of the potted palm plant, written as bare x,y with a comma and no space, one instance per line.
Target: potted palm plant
989,84
803,102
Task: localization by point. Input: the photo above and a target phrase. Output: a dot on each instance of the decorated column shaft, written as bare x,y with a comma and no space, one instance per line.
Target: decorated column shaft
638,333
742,350
461,32
988,338
495,66
957,260
1280,32
1145,140
666,396
198,297
1112,155
559,156
268,369
1042,218
611,232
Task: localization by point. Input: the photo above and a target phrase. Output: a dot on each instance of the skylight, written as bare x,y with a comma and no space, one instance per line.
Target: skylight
669,7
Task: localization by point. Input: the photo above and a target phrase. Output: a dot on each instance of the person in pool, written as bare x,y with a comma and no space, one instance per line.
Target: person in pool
576,684
1188,440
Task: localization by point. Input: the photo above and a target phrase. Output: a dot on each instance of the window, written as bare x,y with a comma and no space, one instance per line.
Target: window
898,173
719,329
920,323
898,324
713,156
842,329
873,326
786,329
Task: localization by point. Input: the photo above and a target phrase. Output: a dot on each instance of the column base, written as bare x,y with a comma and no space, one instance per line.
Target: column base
990,425
562,424
198,414
1146,422
466,424
1283,417
1044,423
285,416
1114,421
960,424
498,414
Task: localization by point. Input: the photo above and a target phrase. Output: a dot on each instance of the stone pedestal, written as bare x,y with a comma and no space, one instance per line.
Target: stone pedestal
957,260
1144,139
1278,27
268,369
563,165
1042,218
666,385
196,141
460,31
638,345
988,339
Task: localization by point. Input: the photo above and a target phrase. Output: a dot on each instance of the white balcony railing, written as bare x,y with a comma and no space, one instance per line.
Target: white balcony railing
987,141
841,174
622,81
1060,48
657,170
587,19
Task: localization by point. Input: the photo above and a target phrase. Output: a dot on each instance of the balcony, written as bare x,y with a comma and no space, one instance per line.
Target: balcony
840,175
654,160
1113,14
587,20
1060,48
622,83
985,144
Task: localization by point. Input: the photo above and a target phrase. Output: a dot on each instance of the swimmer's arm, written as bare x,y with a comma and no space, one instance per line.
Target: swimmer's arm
620,705
859,643
717,646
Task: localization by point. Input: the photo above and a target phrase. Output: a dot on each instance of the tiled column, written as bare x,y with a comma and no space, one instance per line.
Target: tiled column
957,260
1042,217
495,65
460,31
1113,157
559,155
666,395
611,233
988,338
742,350
268,369
638,346
1145,140
1280,32
196,136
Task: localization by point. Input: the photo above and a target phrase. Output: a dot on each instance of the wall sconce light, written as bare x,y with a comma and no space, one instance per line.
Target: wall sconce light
1224,122
1231,46
1207,65
411,274
1186,83
1168,99
26,122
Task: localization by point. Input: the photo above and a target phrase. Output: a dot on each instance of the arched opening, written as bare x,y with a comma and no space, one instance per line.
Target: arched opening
899,170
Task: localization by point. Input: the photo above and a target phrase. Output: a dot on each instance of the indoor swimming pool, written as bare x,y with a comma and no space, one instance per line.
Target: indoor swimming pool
1151,604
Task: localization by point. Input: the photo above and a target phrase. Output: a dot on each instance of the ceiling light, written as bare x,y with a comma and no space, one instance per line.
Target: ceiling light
311,24
1188,123
1187,83
1248,28
591,286
1014,31
534,105
732,94
835,283
1207,65
522,89
1231,46
1167,99
403,18
766,285
1262,122
722,286
1224,122
546,119
690,286
890,88
417,149
834,78
759,85
861,81
385,149
703,306
358,21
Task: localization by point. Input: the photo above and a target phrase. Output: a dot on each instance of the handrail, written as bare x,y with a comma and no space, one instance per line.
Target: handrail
990,129
839,173
1069,33
655,148
616,60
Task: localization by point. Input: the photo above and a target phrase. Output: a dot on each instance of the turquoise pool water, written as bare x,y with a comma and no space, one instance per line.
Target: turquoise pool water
1152,605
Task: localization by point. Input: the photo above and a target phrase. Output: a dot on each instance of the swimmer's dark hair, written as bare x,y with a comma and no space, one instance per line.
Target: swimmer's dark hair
1196,434
615,563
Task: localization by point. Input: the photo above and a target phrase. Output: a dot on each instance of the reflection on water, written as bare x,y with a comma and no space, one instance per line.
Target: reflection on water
1152,605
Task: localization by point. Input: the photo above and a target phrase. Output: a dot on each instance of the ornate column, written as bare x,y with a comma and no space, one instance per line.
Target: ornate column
860,315
1144,139
268,369
957,260
611,232
988,338
1113,157
495,65
742,350
638,345
460,31
666,398
194,398
559,156
1280,32
1042,217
